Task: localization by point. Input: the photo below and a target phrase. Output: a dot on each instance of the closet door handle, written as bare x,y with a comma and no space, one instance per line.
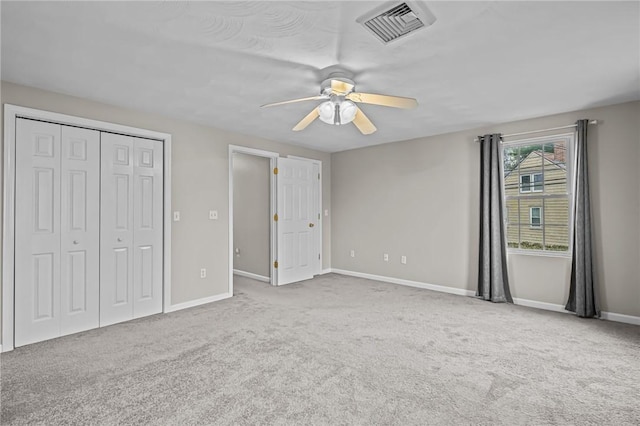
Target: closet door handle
119,240
75,242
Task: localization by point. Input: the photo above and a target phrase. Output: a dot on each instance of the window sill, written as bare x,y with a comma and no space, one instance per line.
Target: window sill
540,253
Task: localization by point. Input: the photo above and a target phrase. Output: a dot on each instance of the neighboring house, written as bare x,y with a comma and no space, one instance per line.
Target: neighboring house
537,204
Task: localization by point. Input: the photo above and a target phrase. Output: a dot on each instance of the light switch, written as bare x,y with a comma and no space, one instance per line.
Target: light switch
326,212
176,216
213,214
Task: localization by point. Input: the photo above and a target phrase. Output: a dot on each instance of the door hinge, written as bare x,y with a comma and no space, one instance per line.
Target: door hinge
318,216
318,256
318,176
275,264
275,217
275,171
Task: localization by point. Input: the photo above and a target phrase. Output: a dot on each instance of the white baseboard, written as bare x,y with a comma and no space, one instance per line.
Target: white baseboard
251,275
609,316
326,271
198,302
440,288
540,305
627,319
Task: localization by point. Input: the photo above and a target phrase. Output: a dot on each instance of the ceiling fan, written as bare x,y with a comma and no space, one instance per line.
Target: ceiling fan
339,106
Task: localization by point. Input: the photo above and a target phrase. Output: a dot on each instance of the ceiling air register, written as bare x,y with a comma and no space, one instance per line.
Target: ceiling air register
395,20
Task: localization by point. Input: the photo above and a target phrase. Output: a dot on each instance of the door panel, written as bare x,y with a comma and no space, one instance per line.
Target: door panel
37,232
295,221
116,229
147,226
80,230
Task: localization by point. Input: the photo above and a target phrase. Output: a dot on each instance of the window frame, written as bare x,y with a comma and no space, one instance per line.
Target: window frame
531,186
540,216
569,140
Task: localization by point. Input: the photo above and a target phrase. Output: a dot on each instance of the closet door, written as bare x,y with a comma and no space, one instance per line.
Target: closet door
116,229
80,230
37,232
147,227
131,228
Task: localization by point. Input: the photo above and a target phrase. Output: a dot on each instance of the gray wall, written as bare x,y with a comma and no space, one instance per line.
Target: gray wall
200,173
419,198
251,214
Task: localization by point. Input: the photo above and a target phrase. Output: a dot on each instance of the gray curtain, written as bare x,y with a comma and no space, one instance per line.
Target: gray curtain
493,282
583,298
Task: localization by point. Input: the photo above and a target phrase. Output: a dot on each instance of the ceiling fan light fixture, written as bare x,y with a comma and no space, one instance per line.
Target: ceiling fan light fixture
337,113
348,112
326,111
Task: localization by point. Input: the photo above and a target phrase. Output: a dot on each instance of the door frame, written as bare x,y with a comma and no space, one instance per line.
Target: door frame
11,114
318,269
273,159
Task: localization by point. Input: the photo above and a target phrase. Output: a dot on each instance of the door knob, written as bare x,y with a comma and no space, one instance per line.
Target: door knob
75,241
119,240
311,225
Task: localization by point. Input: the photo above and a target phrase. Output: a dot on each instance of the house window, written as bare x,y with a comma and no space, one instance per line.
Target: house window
531,183
537,194
535,217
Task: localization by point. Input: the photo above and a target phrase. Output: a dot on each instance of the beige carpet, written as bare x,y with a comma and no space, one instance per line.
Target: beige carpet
334,350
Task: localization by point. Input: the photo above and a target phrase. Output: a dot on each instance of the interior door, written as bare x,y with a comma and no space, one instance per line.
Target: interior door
116,228
80,230
148,227
295,220
37,232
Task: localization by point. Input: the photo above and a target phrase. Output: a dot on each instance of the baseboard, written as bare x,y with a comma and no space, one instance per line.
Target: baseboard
539,305
198,302
326,271
609,316
251,275
627,319
434,287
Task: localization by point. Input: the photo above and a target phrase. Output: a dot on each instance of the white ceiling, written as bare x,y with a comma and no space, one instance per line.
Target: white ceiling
215,62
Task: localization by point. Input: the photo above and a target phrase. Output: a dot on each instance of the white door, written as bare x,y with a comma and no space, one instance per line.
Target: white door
147,227
317,237
116,229
80,230
295,220
56,249
131,228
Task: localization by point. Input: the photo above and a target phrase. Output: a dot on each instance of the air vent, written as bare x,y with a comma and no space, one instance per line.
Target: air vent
394,20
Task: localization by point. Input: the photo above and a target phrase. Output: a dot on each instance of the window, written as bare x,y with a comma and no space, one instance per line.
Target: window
531,183
537,192
535,217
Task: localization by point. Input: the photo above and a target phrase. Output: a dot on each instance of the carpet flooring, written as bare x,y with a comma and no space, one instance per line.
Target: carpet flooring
332,350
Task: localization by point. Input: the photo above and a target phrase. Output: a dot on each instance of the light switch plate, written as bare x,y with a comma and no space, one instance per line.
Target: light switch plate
176,216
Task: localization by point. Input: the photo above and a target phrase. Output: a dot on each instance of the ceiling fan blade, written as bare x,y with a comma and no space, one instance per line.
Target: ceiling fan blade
385,100
307,120
310,98
363,123
340,87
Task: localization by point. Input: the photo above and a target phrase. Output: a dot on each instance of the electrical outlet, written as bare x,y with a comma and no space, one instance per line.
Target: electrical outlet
386,257
213,214
203,273
353,253
176,216
403,260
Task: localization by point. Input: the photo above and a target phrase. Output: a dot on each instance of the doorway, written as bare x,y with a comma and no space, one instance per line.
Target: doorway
295,205
251,216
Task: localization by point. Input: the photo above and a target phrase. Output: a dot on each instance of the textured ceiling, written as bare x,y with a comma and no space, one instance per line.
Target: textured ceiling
215,62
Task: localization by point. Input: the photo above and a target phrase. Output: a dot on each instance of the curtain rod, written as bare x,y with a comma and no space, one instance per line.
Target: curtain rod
541,130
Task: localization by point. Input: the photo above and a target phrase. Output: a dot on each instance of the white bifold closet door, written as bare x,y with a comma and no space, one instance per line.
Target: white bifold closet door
131,228
56,230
